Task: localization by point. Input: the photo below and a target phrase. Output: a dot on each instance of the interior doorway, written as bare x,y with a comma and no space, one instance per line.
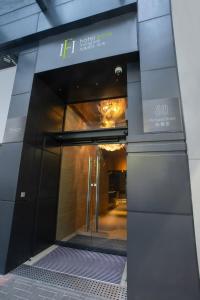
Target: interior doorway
92,209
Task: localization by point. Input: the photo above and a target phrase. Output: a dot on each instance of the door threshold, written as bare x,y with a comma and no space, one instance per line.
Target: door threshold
39,256
90,248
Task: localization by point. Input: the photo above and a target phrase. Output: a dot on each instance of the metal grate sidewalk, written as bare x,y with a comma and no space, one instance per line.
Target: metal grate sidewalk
97,289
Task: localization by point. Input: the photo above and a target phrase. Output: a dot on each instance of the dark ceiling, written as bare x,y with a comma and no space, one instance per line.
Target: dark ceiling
89,81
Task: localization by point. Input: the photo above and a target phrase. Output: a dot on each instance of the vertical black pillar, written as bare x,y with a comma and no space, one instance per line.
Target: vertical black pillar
36,195
27,203
162,261
11,149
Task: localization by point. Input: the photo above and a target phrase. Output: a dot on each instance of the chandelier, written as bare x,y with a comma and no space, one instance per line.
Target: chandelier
111,111
111,147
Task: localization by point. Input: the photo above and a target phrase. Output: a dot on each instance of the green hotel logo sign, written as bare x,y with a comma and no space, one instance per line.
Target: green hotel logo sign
70,46
66,47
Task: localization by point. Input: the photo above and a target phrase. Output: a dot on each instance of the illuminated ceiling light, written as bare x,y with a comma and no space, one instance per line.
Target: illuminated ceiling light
112,147
111,111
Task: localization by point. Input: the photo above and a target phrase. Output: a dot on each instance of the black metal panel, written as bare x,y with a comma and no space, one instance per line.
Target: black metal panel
94,136
47,200
25,72
58,2
12,5
27,47
156,44
17,14
96,41
160,89
56,15
20,246
19,106
156,147
72,11
157,137
45,114
42,4
158,84
21,237
37,197
16,30
29,176
133,72
162,260
149,9
159,182
134,113
10,156
15,128
6,213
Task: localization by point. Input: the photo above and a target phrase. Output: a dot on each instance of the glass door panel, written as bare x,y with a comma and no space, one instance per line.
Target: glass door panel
75,190
92,199
91,115
110,220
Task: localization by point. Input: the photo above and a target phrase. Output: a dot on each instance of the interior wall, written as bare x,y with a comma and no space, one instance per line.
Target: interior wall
186,24
73,120
73,189
117,160
111,161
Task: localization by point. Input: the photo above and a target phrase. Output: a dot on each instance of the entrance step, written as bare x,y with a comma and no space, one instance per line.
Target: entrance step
99,244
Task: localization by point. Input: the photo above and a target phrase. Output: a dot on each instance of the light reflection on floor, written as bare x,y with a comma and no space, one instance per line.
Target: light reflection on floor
114,223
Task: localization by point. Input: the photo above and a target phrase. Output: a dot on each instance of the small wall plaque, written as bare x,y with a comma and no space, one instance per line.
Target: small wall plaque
162,115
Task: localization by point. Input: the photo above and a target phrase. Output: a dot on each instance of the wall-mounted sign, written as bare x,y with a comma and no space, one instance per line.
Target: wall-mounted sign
162,115
15,128
103,39
69,47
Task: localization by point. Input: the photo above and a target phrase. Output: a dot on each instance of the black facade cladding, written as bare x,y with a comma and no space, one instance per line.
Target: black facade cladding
162,257
65,15
162,262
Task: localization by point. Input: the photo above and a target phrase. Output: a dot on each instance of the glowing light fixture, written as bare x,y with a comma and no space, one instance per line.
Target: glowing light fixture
111,147
111,111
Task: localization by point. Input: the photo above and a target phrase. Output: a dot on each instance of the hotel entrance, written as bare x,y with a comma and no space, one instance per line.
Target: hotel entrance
89,214
76,132
92,206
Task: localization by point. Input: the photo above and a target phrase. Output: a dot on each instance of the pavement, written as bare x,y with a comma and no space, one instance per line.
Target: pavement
14,287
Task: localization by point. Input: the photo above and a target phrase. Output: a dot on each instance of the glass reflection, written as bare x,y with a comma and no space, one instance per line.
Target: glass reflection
96,114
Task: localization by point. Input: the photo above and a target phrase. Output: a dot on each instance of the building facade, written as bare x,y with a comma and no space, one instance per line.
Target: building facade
68,53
